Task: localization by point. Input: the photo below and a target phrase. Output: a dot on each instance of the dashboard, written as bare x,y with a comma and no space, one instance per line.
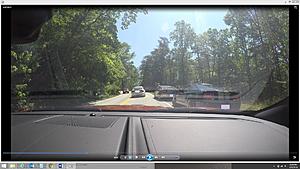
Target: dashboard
76,135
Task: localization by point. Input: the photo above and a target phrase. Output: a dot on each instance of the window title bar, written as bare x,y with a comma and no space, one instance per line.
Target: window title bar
150,2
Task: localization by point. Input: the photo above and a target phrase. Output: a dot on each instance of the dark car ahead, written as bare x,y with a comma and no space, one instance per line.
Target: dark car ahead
138,91
165,92
208,97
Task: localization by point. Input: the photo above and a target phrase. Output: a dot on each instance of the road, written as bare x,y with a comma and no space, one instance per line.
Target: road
125,99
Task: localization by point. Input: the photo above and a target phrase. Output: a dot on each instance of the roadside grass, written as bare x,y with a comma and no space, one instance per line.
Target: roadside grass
254,106
103,97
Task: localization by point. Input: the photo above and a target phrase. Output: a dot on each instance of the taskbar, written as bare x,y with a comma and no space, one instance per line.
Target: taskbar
74,165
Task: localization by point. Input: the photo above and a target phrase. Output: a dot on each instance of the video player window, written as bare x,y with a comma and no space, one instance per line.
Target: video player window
149,83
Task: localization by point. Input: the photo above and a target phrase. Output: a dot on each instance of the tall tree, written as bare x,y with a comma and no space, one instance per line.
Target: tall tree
183,39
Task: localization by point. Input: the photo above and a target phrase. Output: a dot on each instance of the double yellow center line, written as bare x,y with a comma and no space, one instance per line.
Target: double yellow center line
125,102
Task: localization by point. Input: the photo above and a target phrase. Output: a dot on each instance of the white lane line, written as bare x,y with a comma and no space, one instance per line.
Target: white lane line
46,118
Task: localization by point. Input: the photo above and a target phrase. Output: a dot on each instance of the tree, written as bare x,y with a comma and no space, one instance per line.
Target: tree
183,38
155,68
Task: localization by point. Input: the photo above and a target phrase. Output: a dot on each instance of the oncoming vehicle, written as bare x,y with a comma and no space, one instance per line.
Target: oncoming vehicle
206,96
138,91
165,92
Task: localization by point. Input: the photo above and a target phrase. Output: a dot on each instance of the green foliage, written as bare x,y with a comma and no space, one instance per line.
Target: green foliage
183,38
23,102
154,66
22,66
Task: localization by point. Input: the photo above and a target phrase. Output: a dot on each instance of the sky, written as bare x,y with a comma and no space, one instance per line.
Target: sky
143,35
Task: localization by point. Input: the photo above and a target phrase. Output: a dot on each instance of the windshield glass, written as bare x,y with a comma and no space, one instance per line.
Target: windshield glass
220,59
138,88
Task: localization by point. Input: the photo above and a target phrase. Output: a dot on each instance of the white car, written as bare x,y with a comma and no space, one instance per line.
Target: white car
138,91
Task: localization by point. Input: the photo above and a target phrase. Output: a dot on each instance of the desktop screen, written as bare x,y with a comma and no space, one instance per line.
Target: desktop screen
149,83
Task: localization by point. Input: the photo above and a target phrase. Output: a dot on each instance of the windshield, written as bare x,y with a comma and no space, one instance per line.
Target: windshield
138,88
220,59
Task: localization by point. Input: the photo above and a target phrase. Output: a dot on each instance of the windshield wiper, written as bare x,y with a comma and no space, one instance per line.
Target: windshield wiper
176,110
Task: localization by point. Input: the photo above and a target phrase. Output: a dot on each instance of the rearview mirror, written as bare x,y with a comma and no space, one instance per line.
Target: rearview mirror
26,24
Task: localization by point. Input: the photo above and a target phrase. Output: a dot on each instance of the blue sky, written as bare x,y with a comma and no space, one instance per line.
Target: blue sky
143,35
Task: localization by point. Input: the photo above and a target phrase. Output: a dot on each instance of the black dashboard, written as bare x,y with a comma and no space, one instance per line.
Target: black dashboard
75,135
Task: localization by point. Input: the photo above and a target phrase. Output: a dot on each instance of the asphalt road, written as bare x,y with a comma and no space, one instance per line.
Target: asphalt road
125,99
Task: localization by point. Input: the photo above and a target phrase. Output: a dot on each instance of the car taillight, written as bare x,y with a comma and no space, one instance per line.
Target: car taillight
209,95
235,97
